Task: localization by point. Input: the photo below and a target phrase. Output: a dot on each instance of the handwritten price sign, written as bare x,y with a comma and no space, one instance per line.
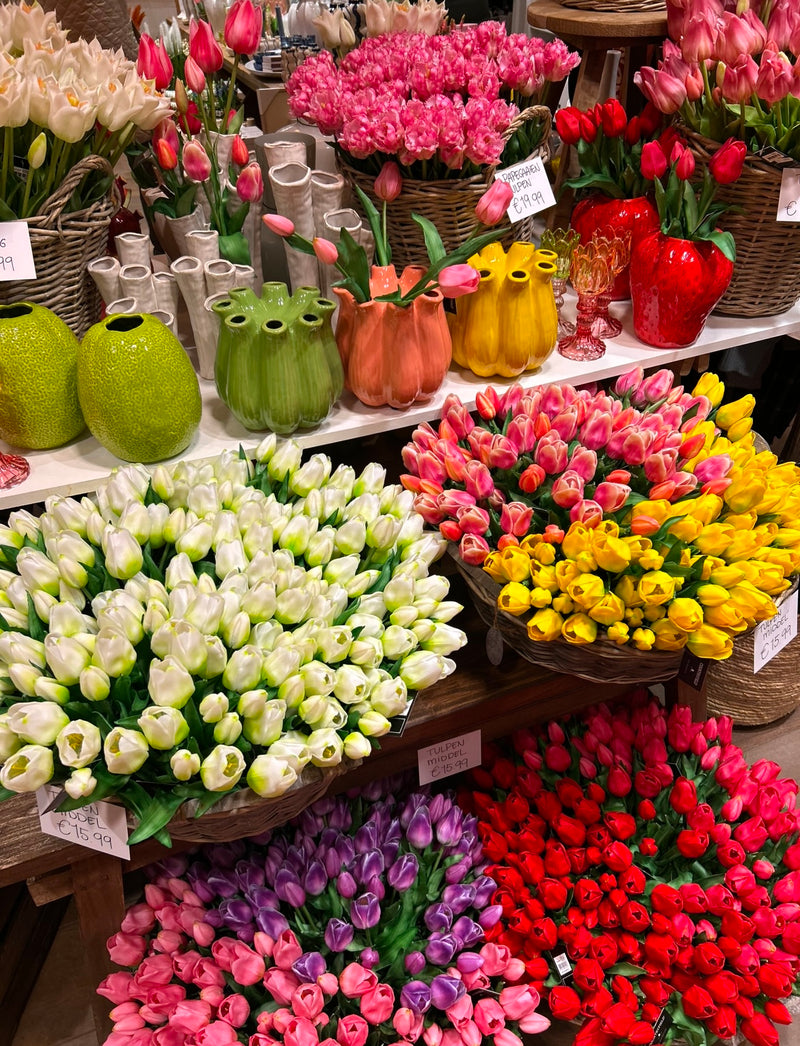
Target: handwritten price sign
789,201
532,192
16,256
98,826
449,757
770,637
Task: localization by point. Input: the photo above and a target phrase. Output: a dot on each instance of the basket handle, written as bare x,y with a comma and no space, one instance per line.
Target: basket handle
55,204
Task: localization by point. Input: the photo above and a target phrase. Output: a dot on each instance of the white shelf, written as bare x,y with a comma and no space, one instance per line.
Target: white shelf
78,467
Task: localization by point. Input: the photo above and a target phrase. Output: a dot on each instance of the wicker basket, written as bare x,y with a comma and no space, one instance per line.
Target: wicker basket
766,276
448,203
616,6
599,662
243,814
770,694
63,244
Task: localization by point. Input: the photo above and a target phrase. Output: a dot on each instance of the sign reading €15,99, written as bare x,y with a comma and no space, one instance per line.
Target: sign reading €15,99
16,256
770,637
531,186
98,826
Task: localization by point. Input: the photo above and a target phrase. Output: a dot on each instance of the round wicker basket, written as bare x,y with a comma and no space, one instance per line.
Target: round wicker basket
63,244
770,694
616,6
599,662
449,203
766,276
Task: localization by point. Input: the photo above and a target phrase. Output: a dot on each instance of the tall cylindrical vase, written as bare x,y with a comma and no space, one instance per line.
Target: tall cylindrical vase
332,224
291,186
105,273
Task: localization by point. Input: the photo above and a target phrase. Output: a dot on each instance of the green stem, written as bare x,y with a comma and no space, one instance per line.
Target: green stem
385,238
8,156
231,88
123,139
23,211
212,103
741,121
55,153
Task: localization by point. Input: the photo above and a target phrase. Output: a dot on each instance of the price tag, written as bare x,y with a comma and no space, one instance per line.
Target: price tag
692,670
770,637
401,719
563,966
16,256
661,1026
789,200
449,757
532,191
97,826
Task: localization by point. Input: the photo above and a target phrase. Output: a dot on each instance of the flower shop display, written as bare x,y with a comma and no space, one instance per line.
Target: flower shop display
363,921
509,324
680,272
593,268
277,364
68,109
392,332
205,626
447,108
137,388
387,16
562,243
646,873
603,532
728,71
609,148
38,378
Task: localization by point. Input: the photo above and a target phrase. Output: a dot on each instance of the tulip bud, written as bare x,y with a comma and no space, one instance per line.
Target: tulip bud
27,769
357,746
122,551
220,771
169,683
184,764
267,727
228,729
373,724
270,776
351,538
37,572
95,683
492,206
125,751
389,183
422,669
66,658
213,707
36,722
80,784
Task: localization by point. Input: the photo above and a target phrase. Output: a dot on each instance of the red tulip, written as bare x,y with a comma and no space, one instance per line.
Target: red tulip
153,62
240,154
727,162
165,155
492,206
195,77
692,844
613,118
683,796
326,252
243,27
568,125
760,1030
684,168
653,161
203,47
564,1003
389,183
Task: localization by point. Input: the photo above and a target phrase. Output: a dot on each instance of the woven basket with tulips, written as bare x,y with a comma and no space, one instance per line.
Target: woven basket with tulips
634,521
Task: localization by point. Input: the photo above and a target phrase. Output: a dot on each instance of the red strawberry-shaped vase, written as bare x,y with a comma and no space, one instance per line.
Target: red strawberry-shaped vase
597,212
674,286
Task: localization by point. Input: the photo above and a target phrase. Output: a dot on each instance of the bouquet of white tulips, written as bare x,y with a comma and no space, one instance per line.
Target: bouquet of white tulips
61,101
208,626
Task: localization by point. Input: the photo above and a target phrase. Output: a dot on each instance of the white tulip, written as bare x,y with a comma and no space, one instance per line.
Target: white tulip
265,635
260,602
205,612
136,519
351,684
367,652
258,538
16,646
221,769
389,697
114,654
216,657
267,726
50,690
371,480
25,524
37,722
293,748
292,691
95,684
446,610
445,639
252,703
269,776
125,751
27,769
184,764
292,605
123,553
175,526
37,571
278,665
373,604
325,747
365,508
266,448
157,516
195,541
357,746
361,582
78,743
80,784
373,724
24,678
66,658
343,478
369,625
333,642
163,727
213,707
228,729
124,486
285,461
70,515
230,558
9,742
155,615
422,669
244,669
169,683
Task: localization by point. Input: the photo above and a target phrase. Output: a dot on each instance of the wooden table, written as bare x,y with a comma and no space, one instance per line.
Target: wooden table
477,696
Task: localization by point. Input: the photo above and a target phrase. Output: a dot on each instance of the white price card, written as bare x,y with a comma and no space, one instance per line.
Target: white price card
16,256
449,757
98,826
789,200
532,192
770,637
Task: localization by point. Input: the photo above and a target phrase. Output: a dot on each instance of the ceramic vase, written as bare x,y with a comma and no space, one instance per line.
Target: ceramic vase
674,286
597,212
277,366
392,354
291,187
510,323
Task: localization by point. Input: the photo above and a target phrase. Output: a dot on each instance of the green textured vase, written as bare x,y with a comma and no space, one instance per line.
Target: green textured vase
277,364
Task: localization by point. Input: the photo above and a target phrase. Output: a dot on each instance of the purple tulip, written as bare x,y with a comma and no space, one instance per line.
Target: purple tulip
346,850
420,831
454,873
324,805
295,859
197,877
366,839
272,865
438,917
412,804
316,879
416,996
460,896
261,840
225,855
449,830
439,806
469,962
369,958
403,873
446,991
467,931
332,862
490,916
414,963
328,837
246,933
338,934
375,885
390,851
441,948
174,867
236,912
289,888
248,874
309,966
214,918
346,885
372,792
394,831
484,890
310,822
263,897
341,816
223,883
269,921
368,865
365,911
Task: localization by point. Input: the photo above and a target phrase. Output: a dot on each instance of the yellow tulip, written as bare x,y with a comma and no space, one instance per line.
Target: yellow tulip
619,633
668,635
643,638
740,429
530,542
576,540
745,492
608,610
579,629
787,559
611,553
638,546
727,576
540,597
628,591
544,577
707,428
768,577
544,554
545,626
566,571
656,587
766,459
563,604
706,508
771,501
741,520
710,642
609,527
712,595
686,613
752,602
651,560
634,616
687,559
709,565
585,562
711,387
686,529
654,613
514,598
714,538
659,510
730,413
744,544
493,567
726,616
515,564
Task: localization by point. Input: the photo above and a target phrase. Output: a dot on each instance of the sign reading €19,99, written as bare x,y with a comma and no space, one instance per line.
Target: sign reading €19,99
531,186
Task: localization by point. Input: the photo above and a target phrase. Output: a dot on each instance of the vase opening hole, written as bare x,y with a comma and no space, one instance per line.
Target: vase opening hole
518,274
325,303
431,294
485,273
310,317
273,325
123,324
237,319
13,312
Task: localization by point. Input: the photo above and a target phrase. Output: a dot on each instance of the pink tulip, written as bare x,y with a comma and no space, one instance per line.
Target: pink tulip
250,183
783,25
407,1024
161,1002
308,1001
454,460
551,453
492,206
451,502
660,466
522,434
739,80
515,518
565,423
329,983
653,388
666,92
567,489
738,37
377,1004
775,76
457,280
129,1022
489,1016
240,154
432,1035
194,76
487,403
153,62
611,496
478,480
457,416
473,520
596,430
300,1032
699,36
534,1024
587,512
352,1031
190,1015
248,966
203,47
716,467
287,950
503,454
243,27
281,984
196,162
278,224
325,251
431,467
584,462
518,1002
470,1034
389,183
217,1033
354,980
168,942
139,918
505,1037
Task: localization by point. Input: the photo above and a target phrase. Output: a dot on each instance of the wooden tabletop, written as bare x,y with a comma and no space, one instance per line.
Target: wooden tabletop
595,29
